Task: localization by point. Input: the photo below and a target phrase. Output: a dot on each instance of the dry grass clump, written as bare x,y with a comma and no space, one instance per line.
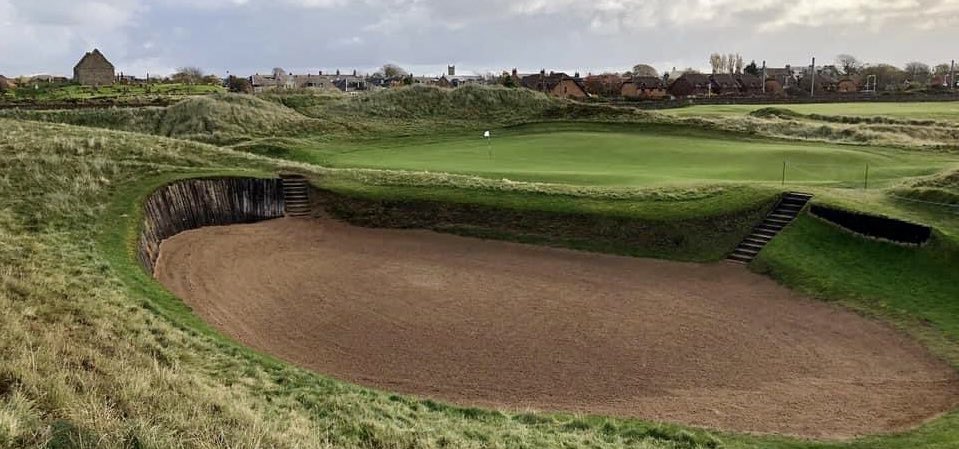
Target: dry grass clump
798,127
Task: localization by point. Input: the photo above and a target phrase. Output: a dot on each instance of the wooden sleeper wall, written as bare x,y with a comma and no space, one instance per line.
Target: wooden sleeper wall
196,203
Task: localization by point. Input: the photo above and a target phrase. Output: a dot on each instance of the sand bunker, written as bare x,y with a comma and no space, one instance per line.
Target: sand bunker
498,324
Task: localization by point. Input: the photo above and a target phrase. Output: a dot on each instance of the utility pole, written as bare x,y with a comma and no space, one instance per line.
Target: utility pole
952,76
764,77
812,85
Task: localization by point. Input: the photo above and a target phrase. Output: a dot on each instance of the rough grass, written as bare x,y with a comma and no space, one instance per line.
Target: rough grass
45,92
939,111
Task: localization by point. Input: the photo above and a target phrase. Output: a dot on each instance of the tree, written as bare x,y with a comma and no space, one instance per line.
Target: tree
239,85
918,72
731,63
391,71
941,69
188,75
888,77
739,63
716,62
644,70
753,69
723,63
507,80
849,64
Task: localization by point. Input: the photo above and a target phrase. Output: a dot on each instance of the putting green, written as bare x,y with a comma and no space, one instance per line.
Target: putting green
632,156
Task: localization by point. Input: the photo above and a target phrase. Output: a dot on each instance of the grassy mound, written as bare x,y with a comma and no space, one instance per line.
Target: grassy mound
481,104
468,102
218,118
940,189
226,117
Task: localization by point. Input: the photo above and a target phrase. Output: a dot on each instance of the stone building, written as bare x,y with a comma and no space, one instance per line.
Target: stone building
94,70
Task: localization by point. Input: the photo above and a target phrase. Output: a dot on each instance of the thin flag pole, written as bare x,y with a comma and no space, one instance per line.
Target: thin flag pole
489,144
784,172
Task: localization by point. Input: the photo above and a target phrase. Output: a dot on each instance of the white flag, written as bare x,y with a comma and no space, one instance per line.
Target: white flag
486,135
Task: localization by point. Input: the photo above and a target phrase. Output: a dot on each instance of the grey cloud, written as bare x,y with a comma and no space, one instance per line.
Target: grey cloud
245,36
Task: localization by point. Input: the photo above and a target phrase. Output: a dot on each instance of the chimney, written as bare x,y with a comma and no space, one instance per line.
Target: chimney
515,72
337,72
320,73
451,70
542,72
576,75
354,72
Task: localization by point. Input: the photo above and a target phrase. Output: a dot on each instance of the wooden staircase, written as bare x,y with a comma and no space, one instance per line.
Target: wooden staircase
296,196
789,206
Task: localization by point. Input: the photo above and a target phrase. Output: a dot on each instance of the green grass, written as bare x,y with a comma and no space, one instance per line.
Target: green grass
638,156
74,92
944,111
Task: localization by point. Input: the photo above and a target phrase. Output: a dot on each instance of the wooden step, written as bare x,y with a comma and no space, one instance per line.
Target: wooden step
750,245
788,208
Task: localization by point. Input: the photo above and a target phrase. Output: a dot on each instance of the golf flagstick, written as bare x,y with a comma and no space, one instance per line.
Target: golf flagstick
489,144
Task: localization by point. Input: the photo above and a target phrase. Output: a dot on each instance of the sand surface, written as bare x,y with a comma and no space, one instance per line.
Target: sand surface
521,327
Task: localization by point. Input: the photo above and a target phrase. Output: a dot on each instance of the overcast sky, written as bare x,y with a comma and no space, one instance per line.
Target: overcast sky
253,36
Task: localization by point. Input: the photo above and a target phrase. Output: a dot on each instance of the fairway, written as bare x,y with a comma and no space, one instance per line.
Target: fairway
624,156
944,111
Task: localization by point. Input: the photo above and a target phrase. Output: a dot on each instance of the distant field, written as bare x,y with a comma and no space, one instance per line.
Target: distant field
948,111
630,156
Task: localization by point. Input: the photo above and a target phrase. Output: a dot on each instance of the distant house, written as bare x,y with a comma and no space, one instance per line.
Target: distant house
605,85
824,83
780,79
311,81
691,85
6,83
351,83
644,88
94,70
847,85
451,79
724,84
557,84
749,84
278,80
